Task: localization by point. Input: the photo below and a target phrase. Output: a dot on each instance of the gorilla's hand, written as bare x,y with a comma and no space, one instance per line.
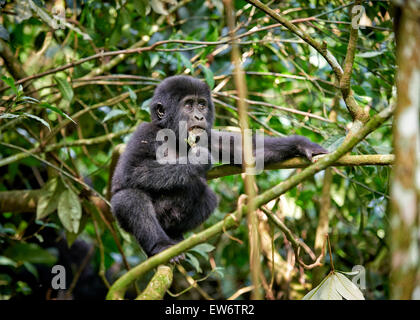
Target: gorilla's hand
309,149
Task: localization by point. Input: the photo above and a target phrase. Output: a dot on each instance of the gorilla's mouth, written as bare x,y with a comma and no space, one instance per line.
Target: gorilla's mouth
195,130
194,133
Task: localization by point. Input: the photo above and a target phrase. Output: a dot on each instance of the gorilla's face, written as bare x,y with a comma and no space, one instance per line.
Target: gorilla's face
183,100
195,109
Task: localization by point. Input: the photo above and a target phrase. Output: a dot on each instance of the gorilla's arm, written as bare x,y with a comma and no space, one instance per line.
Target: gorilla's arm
151,175
274,149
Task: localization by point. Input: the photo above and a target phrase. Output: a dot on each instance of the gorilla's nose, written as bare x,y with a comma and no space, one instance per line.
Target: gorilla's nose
199,117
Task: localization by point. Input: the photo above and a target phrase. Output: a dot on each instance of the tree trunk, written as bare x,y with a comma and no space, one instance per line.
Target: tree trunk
404,222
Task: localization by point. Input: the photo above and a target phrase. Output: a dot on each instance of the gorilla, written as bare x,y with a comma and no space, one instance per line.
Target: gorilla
157,202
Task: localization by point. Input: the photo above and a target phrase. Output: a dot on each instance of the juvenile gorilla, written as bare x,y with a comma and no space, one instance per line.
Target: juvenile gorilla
157,202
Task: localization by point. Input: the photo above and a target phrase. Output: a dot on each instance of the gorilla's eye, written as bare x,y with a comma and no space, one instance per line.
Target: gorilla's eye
160,111
188,104
202,104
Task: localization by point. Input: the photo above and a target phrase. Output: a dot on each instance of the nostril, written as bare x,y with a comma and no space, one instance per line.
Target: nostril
199,117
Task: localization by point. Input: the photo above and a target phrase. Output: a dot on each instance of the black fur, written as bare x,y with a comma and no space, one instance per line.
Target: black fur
157,203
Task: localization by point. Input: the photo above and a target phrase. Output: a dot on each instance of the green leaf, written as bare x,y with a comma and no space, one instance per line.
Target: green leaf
71,238
333,142
140,6
146,104
45,123
5,261
56,110
69,210
23,288
31,268
29,99
133,95
48,200
186,62
30,252
124,234
115,113
8,116
206,247
203,249
194,262
65,88
11,83
49,225
369,54
219,271
209,76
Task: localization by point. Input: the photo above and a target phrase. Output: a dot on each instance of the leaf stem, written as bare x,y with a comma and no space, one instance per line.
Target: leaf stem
329,249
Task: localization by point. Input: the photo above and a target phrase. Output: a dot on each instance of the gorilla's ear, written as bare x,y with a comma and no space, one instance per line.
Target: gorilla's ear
160,111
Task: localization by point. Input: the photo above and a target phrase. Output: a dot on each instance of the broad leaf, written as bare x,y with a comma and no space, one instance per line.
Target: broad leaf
65,88
335,287
48,200
11,83
347,288
203,249
116,113
194,262
30,252
209,76
5,261
186,62
69,210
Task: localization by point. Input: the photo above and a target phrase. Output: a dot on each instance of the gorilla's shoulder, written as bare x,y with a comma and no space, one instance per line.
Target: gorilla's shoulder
145,130
142,142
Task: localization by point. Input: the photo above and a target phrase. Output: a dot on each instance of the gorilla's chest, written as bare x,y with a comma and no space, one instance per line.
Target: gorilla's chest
179,201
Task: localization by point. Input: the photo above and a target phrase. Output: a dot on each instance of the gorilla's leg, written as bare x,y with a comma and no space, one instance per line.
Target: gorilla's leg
203,208
135,213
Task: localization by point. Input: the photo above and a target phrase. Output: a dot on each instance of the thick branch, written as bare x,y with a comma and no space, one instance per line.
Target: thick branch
19,201
157,287
118,289
347,160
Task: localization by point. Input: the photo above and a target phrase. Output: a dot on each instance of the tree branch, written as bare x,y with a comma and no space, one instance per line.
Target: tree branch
160,282
357,113
347,160
21,201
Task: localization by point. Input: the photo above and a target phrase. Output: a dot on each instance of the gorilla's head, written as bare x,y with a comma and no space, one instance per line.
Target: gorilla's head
182,98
